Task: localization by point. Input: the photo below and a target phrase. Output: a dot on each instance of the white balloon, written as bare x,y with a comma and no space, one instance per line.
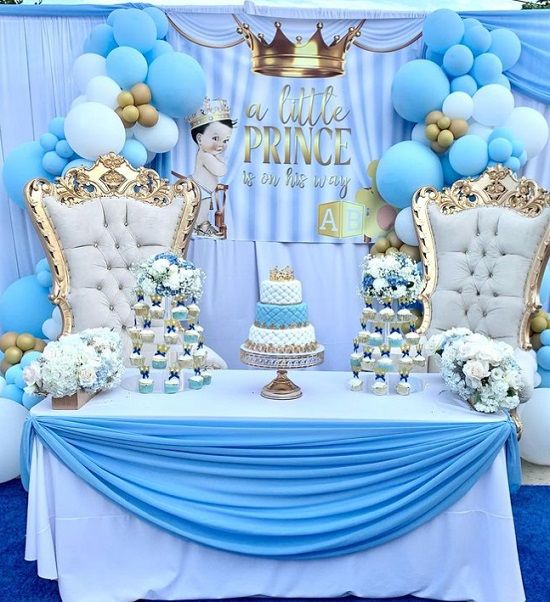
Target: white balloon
160,138
530,127
86,67
78,100
476,129
129,132
404,227
492,104
56,315
418,134
458,105
103,89
12,419
93,129
51,329
535,415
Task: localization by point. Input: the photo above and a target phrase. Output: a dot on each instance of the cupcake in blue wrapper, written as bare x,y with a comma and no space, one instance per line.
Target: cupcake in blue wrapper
196,382
206,377
145,384
159,359
190,337
172,383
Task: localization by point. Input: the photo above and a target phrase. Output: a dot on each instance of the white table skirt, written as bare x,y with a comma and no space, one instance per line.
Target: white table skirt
101,553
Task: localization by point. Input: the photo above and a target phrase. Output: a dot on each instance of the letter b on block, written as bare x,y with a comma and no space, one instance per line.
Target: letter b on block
340,219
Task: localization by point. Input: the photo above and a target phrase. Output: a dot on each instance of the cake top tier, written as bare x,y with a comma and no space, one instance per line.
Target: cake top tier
281,288
278,275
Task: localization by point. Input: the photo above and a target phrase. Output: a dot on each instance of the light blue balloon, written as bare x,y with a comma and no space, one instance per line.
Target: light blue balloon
134,152
160,20
404,168
41,265
517,147
57,127
80,162
523,158
64,150
44,278
491,163
464,83
450,176
178,84
136,29
500,149
507,46
101,40
513,163
24,306
502,80
544,379
543,360
502,132
487,68
19,380
127,66
435,57
29,357
418,87
13,392
545,337
53,163
1,355
12,373
161,47
478,39
468,155
442,29
2,384
469,23
22,165
458,60
48,141
114,15
29,401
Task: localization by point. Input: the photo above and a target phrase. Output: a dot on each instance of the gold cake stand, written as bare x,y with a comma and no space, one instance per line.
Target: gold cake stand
281,387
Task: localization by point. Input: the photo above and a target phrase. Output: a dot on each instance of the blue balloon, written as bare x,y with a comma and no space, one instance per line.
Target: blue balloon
161,47
19,381
127,66
12,373
404,168
53,163
545,337
29,401
63,149
13,392
450,176
24,306
2,383
458,60
48,141
513,163
418,87
160,20
178,84
101,40
57,127
464,83
22,165
507,46
114,15
478,39
135,28
29,357
517,147
44,278
435,57
544,379
468,155
523,158
502,132
42,265
543,359
469,23
442,29
487,68
502,80
134,152
80,162
500,149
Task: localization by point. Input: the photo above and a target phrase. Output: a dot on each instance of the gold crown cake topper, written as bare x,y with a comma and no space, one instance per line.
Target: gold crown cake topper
211,110
285,58
286,273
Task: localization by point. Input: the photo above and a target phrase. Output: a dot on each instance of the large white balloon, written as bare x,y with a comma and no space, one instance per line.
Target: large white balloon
86,67
492,104
458,105
160,138
103,89
535,415
418,134
93,129
404,227
12,418
476,129
79,100
530,127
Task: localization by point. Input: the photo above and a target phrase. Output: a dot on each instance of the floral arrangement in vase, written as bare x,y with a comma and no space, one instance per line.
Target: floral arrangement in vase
393,276
479,370
87,361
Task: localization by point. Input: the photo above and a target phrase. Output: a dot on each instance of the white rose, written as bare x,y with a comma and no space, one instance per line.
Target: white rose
475,370
379,283
160,265
31,373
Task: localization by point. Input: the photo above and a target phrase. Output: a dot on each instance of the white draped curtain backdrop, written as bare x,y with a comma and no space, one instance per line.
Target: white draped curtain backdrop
36,57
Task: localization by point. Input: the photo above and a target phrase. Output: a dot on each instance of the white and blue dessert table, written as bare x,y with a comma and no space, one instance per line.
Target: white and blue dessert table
98,550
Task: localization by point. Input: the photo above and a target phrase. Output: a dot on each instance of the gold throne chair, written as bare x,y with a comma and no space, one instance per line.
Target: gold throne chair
94,224
484,243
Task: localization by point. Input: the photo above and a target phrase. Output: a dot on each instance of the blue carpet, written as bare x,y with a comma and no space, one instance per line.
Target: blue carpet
19,582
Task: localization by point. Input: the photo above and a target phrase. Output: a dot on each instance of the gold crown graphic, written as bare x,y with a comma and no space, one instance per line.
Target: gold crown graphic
211,110
284,58
286,273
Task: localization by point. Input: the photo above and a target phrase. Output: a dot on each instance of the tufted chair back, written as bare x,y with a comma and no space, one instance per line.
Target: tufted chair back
484,243
94,223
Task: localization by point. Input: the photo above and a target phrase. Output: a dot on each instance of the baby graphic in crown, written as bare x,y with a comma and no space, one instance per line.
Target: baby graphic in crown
211,129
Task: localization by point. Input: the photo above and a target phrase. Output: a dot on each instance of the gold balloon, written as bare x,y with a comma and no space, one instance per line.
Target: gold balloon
371,169
141,94
433,117
381,245
8,339
130,114
25,341
13,355
391,251
458,128
39,345
536,342
125,99
443,123
4,366
538,324
412,252
431,131
436,147
125,123
445,138
148,115
394,240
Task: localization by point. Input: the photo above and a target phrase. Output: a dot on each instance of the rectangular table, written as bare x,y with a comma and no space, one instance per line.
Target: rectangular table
99,551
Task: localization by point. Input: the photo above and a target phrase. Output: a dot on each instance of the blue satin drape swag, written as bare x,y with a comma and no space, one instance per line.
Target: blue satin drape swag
289,490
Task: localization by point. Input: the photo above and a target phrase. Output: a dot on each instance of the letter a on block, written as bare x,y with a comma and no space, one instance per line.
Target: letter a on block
328,219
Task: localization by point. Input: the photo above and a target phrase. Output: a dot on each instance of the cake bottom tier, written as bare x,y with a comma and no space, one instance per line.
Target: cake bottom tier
290,340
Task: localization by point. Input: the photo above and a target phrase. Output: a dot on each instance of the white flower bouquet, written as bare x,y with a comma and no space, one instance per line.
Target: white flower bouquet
168,274
89,361
479,370
393,276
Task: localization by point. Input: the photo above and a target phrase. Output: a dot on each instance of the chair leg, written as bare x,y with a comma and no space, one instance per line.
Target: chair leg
517,421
